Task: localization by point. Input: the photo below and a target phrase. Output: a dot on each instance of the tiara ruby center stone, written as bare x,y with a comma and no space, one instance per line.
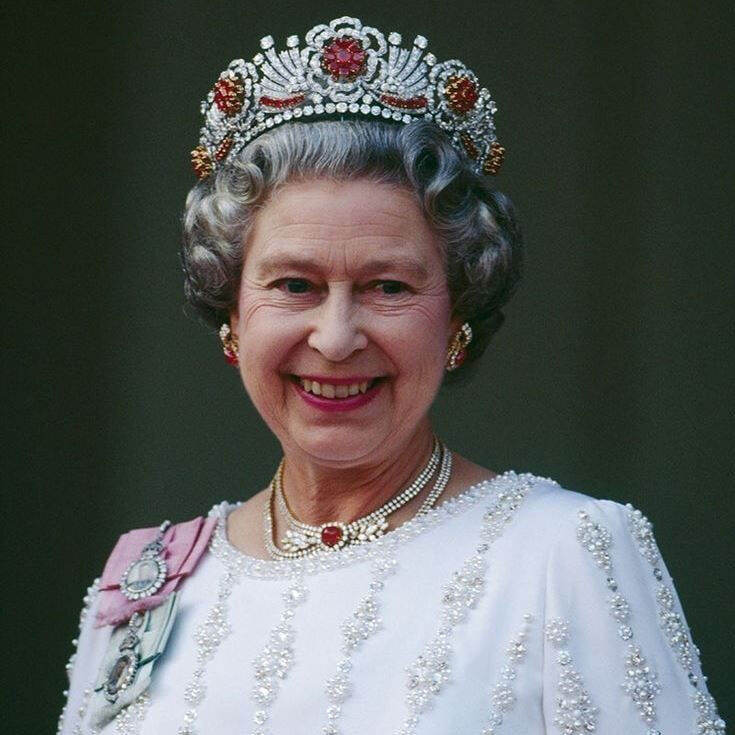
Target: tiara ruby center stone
344,59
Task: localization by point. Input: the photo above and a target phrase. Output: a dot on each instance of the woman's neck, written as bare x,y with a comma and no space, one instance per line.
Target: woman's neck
317,494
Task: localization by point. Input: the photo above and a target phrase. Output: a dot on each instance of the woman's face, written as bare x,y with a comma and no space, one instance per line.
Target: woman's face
343,319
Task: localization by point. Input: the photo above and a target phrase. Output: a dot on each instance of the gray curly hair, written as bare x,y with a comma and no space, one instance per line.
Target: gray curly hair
476,225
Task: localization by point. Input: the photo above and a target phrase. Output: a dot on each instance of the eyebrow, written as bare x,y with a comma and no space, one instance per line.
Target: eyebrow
400,264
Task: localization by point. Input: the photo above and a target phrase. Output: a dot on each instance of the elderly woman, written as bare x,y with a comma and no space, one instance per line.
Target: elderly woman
345,241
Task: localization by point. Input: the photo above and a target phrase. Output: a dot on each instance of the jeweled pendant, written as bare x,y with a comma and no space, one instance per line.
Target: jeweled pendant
121,674
331,535
143,578
147,574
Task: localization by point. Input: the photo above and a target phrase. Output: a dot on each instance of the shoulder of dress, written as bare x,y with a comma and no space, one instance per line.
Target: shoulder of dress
181,547
552,512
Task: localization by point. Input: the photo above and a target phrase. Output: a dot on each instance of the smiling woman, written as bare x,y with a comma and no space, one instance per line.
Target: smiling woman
381,582
343,314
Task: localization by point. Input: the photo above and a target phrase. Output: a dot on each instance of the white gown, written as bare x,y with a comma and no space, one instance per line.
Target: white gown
518,608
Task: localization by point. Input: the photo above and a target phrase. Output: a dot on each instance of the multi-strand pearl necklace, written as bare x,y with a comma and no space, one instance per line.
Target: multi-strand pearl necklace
303,539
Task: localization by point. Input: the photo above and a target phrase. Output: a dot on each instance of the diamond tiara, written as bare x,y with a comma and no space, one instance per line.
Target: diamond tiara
345,69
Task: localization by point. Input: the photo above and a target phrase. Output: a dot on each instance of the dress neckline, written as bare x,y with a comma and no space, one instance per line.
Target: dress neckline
240,563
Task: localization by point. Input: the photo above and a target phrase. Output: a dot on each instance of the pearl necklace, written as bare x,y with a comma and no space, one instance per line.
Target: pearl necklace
303,539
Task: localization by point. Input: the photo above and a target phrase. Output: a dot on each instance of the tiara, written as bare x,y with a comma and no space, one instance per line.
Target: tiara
345,69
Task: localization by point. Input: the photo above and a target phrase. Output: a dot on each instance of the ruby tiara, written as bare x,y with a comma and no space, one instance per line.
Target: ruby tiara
345,68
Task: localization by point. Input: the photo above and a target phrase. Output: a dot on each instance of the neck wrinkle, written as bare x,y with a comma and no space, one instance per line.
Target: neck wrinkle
317,495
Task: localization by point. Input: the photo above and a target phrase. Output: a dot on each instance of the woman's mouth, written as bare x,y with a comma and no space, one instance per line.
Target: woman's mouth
347,392
336,390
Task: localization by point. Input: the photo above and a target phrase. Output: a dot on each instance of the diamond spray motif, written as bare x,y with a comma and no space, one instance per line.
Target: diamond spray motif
345,67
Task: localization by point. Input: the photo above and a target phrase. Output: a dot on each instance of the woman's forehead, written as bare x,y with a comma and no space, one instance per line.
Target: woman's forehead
330,219
341,203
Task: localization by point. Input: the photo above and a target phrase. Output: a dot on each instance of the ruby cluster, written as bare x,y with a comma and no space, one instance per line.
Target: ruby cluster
344,59
229,95
461,94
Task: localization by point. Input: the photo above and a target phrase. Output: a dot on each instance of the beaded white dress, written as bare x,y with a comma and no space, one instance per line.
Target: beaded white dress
518,608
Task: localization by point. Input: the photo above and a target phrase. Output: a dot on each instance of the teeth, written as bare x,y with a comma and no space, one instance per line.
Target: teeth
333,391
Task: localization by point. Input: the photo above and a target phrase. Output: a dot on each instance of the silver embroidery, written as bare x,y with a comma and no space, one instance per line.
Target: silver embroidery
208,637
357,628
431,671
672,623
505,490
266,569
708,721
503,697
641,682
277,657
575,714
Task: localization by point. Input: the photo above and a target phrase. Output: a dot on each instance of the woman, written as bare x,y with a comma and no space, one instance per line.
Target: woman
381,583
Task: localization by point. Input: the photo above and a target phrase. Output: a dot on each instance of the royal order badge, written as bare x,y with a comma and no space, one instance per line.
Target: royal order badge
127,666
147,574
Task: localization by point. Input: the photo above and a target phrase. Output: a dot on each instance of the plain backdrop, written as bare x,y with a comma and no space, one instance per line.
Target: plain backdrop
613,373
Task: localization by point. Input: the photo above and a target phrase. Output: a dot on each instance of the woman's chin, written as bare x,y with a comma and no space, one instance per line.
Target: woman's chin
335,446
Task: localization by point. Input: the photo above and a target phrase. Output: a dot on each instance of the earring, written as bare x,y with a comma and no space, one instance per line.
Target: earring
457,351
229,344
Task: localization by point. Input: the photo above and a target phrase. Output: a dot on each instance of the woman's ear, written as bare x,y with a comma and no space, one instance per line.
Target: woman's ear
234,320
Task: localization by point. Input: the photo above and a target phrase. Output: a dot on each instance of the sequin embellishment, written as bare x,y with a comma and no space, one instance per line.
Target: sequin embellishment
357,628
209,636
672,623
641,681
277,657
431,670
502,696
503,493
575,714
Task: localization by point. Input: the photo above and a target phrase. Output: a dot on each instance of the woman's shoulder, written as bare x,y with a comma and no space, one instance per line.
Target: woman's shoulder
554,515
147,564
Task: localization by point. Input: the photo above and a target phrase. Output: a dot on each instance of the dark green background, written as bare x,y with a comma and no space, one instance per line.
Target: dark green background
613,373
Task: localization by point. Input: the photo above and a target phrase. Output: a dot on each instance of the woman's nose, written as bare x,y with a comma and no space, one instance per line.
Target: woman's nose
336,331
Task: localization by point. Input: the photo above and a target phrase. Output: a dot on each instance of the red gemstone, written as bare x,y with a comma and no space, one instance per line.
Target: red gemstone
280,104
461,93
229,95
331,535
344,59
410,103
224,148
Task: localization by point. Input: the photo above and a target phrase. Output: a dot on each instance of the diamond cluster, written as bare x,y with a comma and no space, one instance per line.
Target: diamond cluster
346,68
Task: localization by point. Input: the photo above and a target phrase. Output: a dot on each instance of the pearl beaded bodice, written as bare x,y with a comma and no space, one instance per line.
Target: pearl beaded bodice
517,607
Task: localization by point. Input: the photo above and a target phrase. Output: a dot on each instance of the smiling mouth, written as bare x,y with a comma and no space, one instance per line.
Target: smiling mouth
334,391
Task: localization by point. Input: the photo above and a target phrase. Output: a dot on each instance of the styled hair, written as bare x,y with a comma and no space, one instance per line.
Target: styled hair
476,225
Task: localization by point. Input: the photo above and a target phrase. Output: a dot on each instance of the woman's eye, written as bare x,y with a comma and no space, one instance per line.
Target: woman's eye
295,285
391,287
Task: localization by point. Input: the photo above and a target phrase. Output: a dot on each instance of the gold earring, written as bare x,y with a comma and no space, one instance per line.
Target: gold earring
229,344
457,351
